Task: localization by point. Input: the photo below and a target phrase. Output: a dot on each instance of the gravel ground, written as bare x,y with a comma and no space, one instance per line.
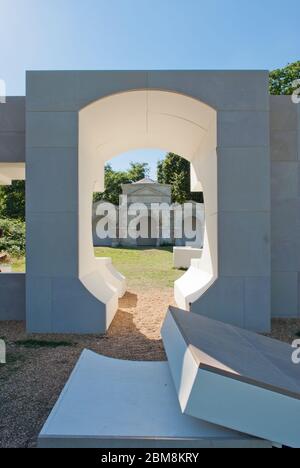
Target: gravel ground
32,380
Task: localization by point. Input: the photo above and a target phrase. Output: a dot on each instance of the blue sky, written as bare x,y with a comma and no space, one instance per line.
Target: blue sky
145,34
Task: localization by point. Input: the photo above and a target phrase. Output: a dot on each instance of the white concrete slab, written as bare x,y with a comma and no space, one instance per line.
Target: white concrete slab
182,256
234,378
193,284
110,403
113,277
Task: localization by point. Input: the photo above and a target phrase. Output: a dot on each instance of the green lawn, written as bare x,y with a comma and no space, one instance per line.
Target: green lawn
143,267
18,265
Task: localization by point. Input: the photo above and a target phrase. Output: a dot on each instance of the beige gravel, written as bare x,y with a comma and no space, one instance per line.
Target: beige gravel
33,378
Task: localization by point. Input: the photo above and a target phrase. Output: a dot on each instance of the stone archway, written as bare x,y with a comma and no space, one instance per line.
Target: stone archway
118,111
146,118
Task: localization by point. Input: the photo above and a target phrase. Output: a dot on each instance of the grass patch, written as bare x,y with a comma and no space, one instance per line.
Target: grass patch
35,344
19,265
143,267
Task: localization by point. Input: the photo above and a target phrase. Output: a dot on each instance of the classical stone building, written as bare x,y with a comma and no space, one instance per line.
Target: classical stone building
156,228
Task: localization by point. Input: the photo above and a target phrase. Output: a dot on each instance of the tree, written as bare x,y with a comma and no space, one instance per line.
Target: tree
115,179
176,171
12,237
12,200
138,171
179,194
281,80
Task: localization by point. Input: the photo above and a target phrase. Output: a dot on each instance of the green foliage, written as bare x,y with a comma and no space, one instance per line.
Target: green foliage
115,179
281,80
173,170
113,185
176,171
180,189
144,267
138,171
12,200
12,237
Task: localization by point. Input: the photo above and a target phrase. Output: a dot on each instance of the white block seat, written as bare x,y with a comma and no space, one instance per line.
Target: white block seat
109,403
107,285
112,276
192,285
182,256
234,378
96,283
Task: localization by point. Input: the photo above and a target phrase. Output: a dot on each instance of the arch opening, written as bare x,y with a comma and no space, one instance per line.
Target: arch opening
147,119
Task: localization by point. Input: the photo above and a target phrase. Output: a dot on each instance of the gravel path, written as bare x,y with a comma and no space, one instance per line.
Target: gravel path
32,380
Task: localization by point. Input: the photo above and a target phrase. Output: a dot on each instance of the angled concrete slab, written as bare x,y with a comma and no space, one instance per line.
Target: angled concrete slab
109,403
234,378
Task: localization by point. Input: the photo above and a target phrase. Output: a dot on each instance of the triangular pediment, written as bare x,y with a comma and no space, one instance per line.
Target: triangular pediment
147,191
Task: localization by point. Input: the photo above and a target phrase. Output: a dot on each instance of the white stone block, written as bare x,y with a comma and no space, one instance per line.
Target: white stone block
182,256
234,378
